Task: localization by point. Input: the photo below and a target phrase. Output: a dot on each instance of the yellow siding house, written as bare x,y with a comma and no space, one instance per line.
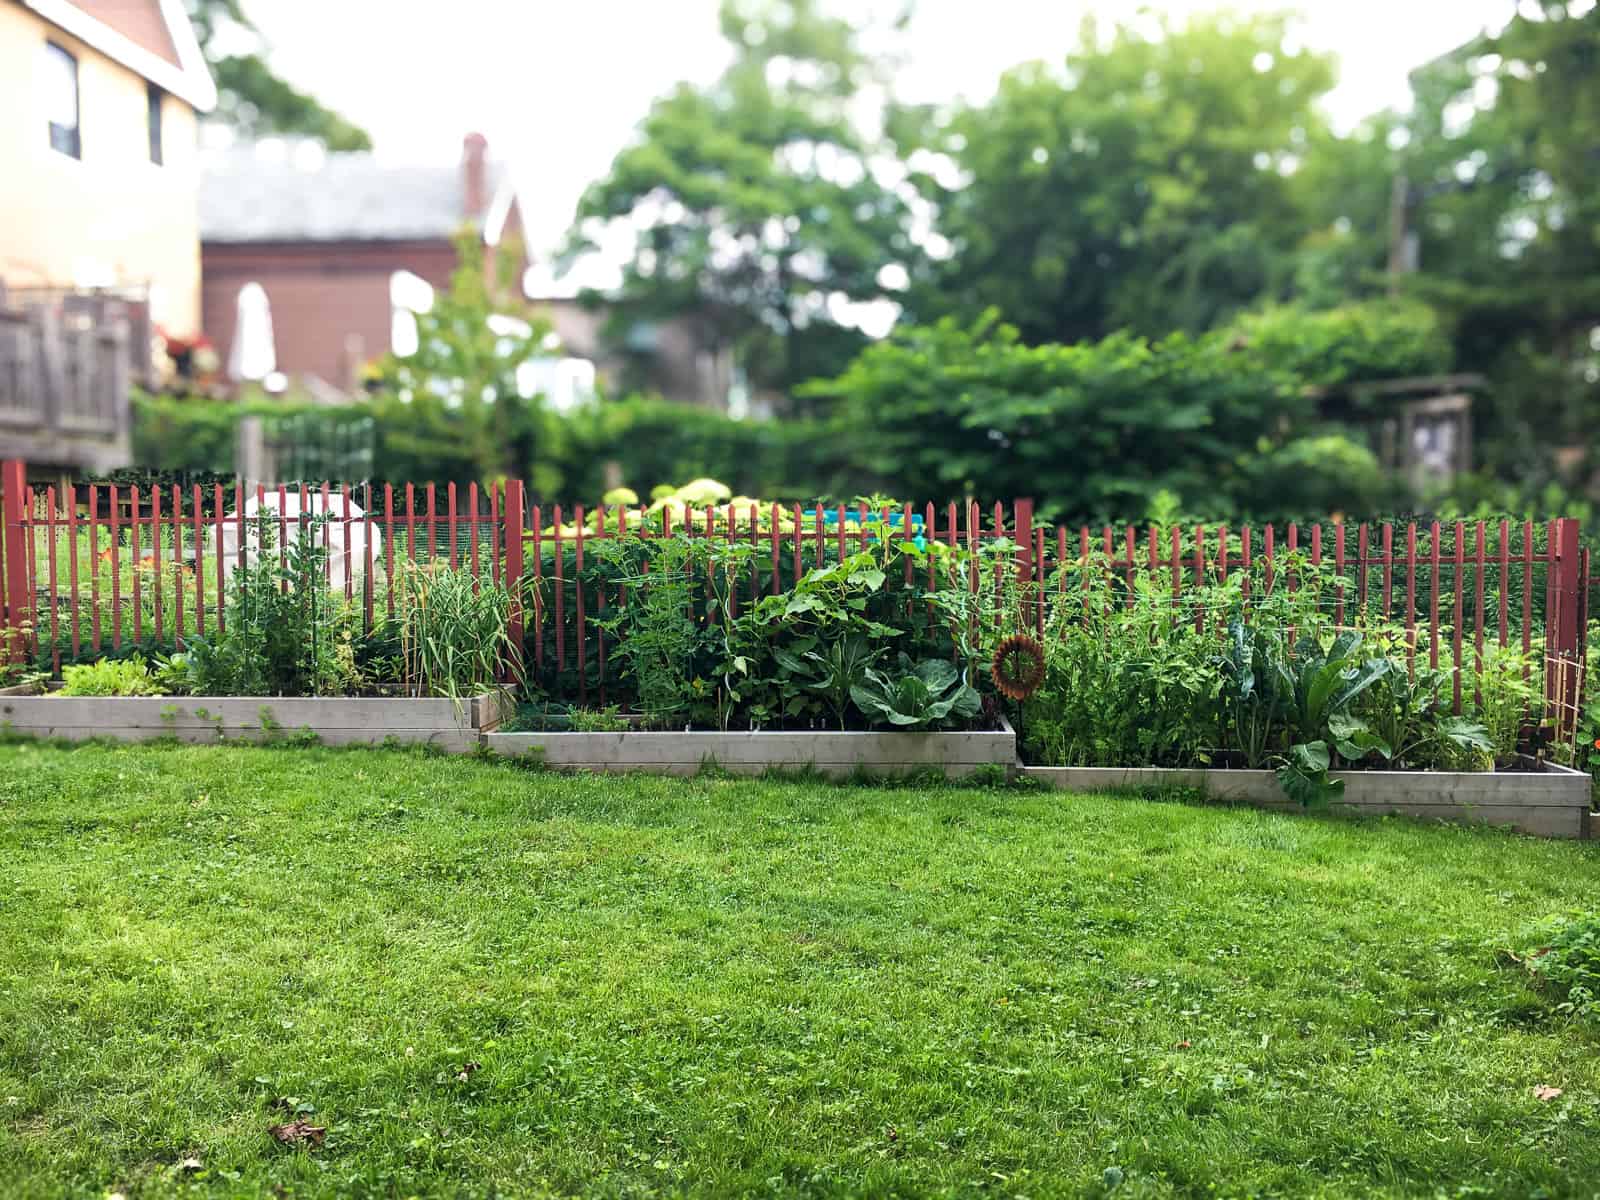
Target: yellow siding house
99,156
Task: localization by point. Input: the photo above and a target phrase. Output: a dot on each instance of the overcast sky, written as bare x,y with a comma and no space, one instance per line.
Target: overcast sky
558,85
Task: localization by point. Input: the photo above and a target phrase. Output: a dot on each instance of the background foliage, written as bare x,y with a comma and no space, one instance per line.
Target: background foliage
1098,429
1123,188
1226,421
252,98
754,204
1148,266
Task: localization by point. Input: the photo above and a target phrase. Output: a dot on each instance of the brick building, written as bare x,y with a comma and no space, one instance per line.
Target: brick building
325,239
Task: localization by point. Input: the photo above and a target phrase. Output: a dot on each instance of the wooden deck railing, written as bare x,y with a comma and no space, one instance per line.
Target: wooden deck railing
64,379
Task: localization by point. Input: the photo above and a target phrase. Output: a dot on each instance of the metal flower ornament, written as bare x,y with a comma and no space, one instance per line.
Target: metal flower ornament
1018,667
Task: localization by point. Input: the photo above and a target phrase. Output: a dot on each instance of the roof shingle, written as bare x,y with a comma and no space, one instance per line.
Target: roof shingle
349,197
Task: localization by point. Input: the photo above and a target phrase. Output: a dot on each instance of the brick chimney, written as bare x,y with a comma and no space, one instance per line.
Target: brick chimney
474,176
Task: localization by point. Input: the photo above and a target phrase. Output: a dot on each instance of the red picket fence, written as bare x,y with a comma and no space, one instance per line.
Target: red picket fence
1498,584
86,569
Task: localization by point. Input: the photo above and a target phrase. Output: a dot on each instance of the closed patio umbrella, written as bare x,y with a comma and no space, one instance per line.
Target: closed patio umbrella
252,356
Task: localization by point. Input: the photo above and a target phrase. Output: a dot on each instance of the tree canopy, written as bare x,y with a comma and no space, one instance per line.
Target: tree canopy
253,98
1132,269
1144,183
756,202
1503,158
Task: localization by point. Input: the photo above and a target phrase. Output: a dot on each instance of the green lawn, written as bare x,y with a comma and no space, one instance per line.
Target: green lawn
724,988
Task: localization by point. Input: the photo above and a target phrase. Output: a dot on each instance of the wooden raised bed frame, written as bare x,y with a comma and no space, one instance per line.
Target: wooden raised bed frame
1553,802
454,726
831,753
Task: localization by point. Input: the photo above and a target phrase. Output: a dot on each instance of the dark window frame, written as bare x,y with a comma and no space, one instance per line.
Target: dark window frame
154,101
68,139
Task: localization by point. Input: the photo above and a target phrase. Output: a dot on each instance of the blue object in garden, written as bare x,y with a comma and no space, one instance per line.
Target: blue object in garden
896,518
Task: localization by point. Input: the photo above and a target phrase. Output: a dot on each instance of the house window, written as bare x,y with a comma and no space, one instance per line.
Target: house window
152,97
61,100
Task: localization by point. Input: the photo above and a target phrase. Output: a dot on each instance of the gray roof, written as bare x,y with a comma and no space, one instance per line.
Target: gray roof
348,197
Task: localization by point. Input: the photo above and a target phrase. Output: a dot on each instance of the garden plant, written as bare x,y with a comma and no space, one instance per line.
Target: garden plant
700,610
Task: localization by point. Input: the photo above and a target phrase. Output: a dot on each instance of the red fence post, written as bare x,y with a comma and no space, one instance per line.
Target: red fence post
1022,519
513,575
1561,626
18,613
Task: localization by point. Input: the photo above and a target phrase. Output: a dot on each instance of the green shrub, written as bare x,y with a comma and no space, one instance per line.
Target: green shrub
647,440
185,433
1092,429
1351,344
567,456
185,437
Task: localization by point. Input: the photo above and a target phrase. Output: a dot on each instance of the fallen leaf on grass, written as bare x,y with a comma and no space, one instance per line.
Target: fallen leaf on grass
299,1133
1183,1045
1545,1092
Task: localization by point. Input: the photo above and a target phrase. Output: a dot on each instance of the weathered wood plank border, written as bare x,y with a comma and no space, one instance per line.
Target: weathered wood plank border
335,721
1553,802
830,753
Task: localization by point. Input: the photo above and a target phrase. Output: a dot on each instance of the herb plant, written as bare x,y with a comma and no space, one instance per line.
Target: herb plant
454,630
597,720
1504,691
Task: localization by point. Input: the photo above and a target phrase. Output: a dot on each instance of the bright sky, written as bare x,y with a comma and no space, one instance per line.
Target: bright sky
559,85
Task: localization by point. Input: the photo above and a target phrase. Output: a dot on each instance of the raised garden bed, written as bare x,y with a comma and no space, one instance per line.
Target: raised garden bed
454,726
835,754
1551,801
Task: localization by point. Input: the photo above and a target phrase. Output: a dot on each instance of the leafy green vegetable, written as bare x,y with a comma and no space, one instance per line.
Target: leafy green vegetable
110,677
922,694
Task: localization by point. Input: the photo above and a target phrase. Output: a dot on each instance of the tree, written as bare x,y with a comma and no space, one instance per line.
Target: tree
1502,159
755,204
457,408
251,97
1143,185
1099,430
1500,186
1343,189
